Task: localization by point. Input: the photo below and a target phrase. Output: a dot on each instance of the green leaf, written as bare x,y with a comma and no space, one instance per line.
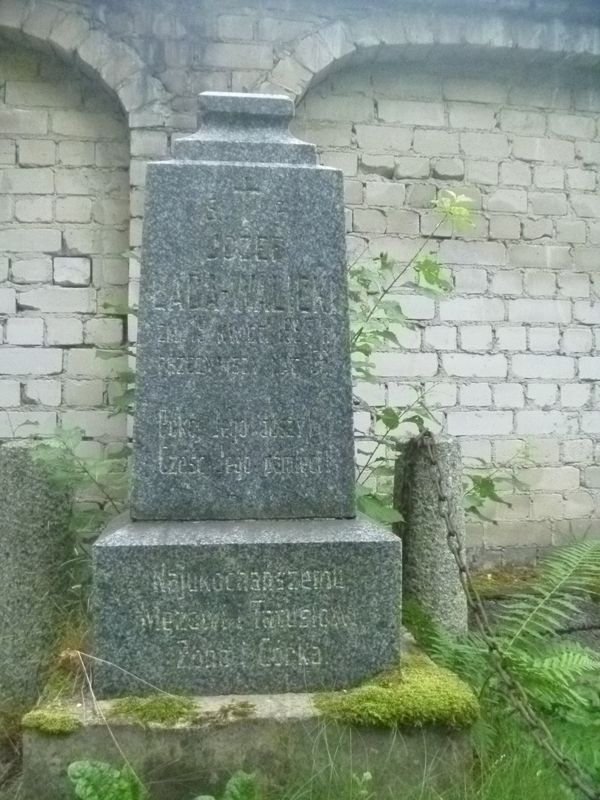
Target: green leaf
390,418
95,780
373,507
241,786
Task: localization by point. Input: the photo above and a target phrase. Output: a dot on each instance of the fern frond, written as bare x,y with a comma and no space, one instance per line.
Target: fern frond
567,575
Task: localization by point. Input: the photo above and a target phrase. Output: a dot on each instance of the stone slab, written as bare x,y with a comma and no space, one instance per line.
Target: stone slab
252,606
243,388
34,548
284,742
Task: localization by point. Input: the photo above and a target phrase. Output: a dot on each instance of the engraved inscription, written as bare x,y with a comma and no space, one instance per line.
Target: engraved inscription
287,611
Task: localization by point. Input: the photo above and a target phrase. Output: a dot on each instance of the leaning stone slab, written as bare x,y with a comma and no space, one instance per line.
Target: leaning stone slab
430,573
34,548
243,391
249,606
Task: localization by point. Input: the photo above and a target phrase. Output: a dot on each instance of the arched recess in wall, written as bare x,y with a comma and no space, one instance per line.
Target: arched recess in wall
64,237
509,358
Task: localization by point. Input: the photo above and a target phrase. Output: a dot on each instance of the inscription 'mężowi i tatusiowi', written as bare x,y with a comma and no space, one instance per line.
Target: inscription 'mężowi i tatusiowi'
243,374
226,582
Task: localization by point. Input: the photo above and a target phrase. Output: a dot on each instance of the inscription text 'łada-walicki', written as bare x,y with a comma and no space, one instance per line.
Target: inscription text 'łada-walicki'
243,398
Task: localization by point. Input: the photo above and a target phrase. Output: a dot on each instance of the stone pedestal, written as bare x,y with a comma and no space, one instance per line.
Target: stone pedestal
251,606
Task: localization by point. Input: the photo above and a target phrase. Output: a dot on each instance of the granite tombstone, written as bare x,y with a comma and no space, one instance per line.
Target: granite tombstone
244,568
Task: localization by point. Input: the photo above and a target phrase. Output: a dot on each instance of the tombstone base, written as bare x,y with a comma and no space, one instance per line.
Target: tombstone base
282,739
259,606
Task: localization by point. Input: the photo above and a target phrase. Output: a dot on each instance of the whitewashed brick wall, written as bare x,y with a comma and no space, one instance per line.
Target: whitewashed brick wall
511,357
64,217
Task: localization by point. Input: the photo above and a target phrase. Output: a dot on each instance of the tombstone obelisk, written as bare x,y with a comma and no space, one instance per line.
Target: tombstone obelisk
243,567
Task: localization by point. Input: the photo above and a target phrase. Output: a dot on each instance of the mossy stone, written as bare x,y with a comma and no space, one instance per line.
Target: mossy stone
51,720
161,709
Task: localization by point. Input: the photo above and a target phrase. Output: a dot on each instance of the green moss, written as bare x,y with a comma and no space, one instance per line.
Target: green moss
52,720
165,709
416,693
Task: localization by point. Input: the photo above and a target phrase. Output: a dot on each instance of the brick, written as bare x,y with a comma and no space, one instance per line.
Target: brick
590,421
539,283
578,504
575,395
45,94
541,93
586,312
8,152
440,337
10,393
149,143
482,172
510,338
4,264
470,281
570,230
504,226
526,310
281,30
550,478
507,282
582,179
420,195
542,395
579,451
474,90
589,368
484,145
28,181
382,193
20,121
70,271
515,173
369,220
586,205
59,300
543,366
411,167
346,162
591,477
471,115
84,393
449,169
576,340
551,203
538,229
30,361
31,270
82,361
409,112
479,423
94,423
572,125
530,148
17,240
508,395
73,209
474,338
477,253
511,200
574,284
64,331
34,209
476,394
528,122
588,152
8,301
440,395
546,506
404,222
435,143
405,364
539,256
43,392
112,154
549,177
73,153
36,153
586,258
104,331
23,424
543,340
416,306
88,125
25,330
380,138
474,366
472,309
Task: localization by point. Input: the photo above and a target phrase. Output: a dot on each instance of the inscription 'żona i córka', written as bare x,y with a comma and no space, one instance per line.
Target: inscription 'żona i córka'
244,568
